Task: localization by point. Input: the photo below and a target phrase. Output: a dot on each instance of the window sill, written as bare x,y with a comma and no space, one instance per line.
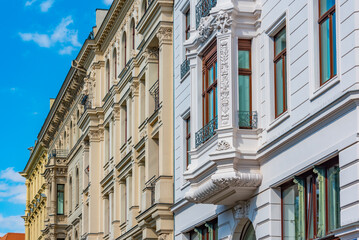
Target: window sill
324,88
185,184
185,76
278,120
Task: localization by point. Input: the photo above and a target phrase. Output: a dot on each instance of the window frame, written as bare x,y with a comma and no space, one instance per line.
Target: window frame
313,197
276,58
321,19
209,60
246,45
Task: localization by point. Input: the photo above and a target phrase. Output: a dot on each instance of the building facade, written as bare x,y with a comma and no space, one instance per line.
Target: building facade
266,119
109,173
36,196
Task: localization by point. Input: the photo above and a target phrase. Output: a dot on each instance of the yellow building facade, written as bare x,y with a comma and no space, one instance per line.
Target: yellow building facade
35,212
109,132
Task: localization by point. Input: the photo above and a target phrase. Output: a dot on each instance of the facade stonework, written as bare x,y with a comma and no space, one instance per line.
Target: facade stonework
109,173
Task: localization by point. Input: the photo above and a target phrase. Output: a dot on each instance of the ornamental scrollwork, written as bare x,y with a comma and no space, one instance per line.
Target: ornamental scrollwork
223,145
222,22
241,210
164,33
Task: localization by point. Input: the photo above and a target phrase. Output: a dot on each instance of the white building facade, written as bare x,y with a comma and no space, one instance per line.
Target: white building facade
266,119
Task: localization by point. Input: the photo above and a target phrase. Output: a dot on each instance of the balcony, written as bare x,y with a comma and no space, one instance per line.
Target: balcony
203,8
184,68
155,93
247,120
58,153
206,132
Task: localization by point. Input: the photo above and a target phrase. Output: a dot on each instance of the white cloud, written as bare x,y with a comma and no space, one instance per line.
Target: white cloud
108,2
42,40
46,5
12,187
30,2
12,223
62,34
11,175
66,50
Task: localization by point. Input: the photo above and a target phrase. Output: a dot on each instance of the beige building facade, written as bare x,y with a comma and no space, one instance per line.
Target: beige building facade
36,197
109,133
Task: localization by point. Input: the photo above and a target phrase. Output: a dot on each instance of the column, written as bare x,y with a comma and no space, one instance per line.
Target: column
164,187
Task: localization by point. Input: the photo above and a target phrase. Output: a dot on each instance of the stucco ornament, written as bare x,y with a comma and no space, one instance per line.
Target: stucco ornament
224,82
223,145
241,210
205,28
222,22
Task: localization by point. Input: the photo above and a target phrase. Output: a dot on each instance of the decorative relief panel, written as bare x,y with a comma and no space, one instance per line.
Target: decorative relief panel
224,82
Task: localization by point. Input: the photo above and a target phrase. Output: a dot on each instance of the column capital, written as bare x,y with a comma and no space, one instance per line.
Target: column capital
164,35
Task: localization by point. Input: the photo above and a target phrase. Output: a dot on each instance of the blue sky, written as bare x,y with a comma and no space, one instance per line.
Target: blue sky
39,39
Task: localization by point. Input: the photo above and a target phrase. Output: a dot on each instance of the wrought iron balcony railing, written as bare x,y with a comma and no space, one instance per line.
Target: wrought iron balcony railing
247,119
184,68
59,153
206,132
155,93
203,8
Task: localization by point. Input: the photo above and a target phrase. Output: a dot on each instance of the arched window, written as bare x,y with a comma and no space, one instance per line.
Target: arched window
124,49
132,26
77,187
108,74
114,62
144,7
248,232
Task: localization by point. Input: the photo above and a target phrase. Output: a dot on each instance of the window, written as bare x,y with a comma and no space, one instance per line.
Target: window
310,205
133,33
108,76
327,40
188,141
280,73
188,23
244,83
114,61
209,94
124,49
208,231
60,199
248,232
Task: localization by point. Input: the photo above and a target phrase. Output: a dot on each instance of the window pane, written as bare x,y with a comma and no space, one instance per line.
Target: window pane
250,234
333,198
325,51
279,87
210,105
243,59
310,207
290,212
244,93
325,5
210,76
334,45
280,41
60,199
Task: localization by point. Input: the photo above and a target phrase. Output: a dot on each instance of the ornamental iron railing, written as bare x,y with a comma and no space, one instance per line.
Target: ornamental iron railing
203,8
206,132
155,93
247,119
59,153
184,68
